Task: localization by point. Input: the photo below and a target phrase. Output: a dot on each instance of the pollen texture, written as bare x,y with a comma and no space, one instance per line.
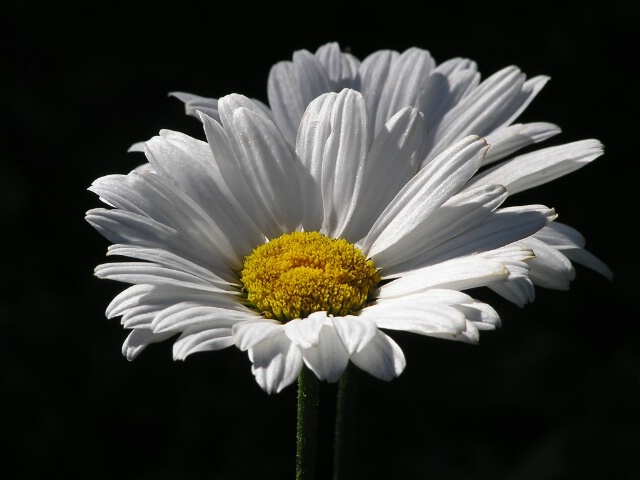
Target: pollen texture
300,273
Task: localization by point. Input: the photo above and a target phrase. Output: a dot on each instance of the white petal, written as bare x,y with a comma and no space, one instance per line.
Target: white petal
494,103
127,299
264,160
483,315
560,236
136,147
149,195
549,268
123,227
160,298
382,358
425,192
519,291
502,227
355,332
344,157
328,358
310,148
250,333
589,260
142,311
312,77
447,85
305,332
539,167
479,111
292,86
184,315
189,163
374,71
167,259
188,217
405,84
285,99
460,213
194,104
338,66
472,310
570,242
197,340
517,258
139,339
138,272
458,274
393,159
470,334
276,363
416,316
507,140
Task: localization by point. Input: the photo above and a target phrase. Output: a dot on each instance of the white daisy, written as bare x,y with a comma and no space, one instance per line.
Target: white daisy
301,256
455,104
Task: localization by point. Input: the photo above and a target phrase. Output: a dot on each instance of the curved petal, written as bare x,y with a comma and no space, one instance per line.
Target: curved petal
141,338
460,213
404,85
382,358
152,274
166,259
292,86
189,163
447,85
276,363
539,167
507,140
501,228
549,268
310,147
194,104
374,71
496,102
305,332
425,193
264,160
416,316
340,68
328,358
184,315
519,291
250,333
571,243
393,159
199,339
354,331
343,161
456,274
257,165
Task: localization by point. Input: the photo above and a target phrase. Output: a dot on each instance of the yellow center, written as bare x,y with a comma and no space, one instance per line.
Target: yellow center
300,273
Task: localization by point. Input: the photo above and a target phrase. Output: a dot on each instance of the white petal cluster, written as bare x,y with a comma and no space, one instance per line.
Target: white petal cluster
188,219
455,103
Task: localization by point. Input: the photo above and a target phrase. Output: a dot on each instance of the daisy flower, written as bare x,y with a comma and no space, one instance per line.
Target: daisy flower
455,103
303,254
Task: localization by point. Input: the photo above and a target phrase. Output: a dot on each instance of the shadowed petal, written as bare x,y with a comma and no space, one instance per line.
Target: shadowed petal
382,358
276,363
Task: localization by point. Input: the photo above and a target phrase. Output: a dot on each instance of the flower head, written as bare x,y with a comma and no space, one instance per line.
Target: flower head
304,255
455,103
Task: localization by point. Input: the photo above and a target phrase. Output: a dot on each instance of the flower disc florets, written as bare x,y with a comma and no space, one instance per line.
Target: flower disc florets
300,273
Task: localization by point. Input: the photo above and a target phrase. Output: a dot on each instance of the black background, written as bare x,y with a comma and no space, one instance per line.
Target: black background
553,394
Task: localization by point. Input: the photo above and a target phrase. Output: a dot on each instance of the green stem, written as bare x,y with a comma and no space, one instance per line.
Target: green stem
307,424
345,424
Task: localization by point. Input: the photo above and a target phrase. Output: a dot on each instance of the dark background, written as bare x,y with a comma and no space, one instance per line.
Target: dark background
553,394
